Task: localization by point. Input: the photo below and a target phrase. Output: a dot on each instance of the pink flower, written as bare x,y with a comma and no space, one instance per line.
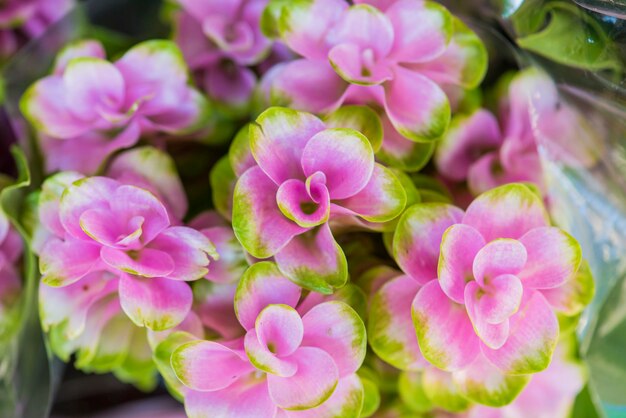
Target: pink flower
89,108
302,174
400,56
99,224
221,40
488,152
480,292
23,20
11,248
295,360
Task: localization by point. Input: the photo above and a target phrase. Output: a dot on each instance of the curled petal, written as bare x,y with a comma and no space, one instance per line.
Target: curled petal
501,256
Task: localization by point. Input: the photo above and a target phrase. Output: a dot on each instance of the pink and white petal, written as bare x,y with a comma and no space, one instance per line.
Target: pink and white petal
390,327
417,239
416,106
346,158
572,297
506,212
310,85
146,262
83,194
280,329
465,141
64,262
459,246
79,49
500,256
534,332
155,302
93,86
154,170
49,200
554,257
444,331
421,42
382,199
278,138
257,221
304,26
208,366
492,335
314,260
358,66
314,382
262,285
346,401
500,299
483,383
365,27
264,359
337,329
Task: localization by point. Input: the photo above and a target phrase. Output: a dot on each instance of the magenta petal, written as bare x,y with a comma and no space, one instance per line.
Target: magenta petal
417,239
444,331
64,262
533,337
416,106
554,257
506,212
493,335
313,383
156,303
310,85
345,157
459,245
139,202
262,285
277,141
257,221
502,256
146,262
208,366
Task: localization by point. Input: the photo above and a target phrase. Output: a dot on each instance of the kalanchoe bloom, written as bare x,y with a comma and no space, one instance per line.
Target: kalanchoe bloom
11,248
23,20
481,289
489,151
397,55
89,108
221,41
304,173
296,360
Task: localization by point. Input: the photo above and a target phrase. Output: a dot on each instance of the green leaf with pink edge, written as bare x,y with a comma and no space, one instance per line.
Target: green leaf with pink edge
413,156
412,393
222,179
162,359
360,118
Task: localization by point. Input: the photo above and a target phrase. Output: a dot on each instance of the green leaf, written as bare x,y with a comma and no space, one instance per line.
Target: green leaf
223,180
162,358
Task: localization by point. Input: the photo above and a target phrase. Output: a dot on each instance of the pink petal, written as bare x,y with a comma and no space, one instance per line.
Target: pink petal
418,237
554,257
79,49
391,331
346,401
382,199
188,248
444,331
502,256
345,157
265,359
500,299
419,42
459,246
296,204
400,152
257,221
146,262
493,335
533,336
573,296
379,4
506,212
262,285
232,262
233,86
208,366
366,27
49,200
64,262
356,65
280,329
136,202
465,141
214,306
313,383
278,139
337,329
155,302
314,260
416,106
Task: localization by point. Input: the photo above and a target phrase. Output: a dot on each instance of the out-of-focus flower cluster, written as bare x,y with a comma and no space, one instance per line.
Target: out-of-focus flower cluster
328,278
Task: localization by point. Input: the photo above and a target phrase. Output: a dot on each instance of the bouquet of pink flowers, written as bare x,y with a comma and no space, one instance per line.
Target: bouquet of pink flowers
314,209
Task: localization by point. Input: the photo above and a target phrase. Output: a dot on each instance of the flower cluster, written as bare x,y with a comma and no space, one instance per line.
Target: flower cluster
309,271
